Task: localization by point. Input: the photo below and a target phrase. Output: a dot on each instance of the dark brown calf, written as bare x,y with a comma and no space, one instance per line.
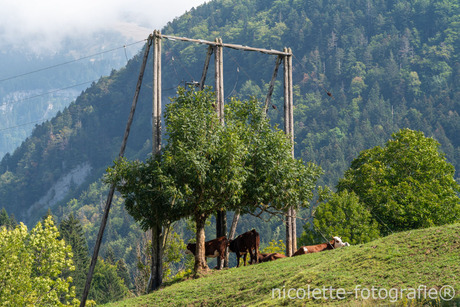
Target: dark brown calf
247,242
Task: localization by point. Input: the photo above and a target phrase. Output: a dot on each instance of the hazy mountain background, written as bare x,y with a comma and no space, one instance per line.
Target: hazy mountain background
388,65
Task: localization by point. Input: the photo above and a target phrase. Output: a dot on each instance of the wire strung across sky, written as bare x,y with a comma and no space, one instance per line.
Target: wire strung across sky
69,62
60,89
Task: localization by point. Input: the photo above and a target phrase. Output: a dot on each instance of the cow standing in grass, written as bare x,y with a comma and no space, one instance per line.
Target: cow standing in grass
214,248
246,243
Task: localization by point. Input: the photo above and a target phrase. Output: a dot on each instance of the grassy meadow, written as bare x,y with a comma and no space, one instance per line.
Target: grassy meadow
412,266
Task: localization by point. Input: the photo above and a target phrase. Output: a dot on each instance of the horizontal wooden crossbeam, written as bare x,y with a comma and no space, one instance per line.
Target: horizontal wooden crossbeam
233,46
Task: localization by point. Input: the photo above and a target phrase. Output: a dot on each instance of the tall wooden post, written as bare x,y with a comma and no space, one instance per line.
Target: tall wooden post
156,115
219,74
291,132
221,215
291,240
156,265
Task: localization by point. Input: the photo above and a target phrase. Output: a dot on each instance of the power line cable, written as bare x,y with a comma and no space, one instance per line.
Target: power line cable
25,124
52,92
68,62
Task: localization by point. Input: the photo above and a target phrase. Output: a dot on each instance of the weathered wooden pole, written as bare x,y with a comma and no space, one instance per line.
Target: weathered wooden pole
291,240
205,68
271,87
156,265
291,132
108,203
221,215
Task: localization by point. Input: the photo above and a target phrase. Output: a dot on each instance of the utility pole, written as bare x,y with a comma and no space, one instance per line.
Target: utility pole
291,233
221,215
157,232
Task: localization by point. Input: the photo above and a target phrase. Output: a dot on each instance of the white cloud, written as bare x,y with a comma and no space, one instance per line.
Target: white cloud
44,24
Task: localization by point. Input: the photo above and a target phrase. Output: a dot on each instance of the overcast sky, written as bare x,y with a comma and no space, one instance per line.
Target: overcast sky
43,24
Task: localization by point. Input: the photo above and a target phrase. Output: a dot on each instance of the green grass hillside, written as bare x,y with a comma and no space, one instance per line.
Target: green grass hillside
402,263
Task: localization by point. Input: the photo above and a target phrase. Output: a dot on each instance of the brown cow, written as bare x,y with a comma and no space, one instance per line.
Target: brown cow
336,242
272,257
247,242
214,248
261,256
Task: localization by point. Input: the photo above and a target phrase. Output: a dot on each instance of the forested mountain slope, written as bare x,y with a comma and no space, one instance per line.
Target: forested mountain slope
387,64
33,88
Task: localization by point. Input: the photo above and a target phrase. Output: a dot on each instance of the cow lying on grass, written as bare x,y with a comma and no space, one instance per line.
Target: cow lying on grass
264,257
336,242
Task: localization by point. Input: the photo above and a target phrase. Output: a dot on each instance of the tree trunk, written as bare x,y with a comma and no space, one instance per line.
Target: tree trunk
156,268
221,230
200,259
288,234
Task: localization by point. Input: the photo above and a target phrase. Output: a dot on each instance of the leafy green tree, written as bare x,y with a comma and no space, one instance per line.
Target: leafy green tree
204,158
344,216
71,231
31,265
407,184
244,164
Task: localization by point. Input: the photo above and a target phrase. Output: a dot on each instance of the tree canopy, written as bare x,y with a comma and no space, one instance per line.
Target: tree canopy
406,184
242,164
31,264
341,215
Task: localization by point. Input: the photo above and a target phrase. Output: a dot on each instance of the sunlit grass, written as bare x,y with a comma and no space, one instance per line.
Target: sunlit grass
427,257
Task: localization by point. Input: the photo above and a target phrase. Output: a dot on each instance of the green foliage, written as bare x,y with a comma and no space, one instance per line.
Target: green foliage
106,285
31,265
407,184
344,216
274,247
174,254
71,231
7,221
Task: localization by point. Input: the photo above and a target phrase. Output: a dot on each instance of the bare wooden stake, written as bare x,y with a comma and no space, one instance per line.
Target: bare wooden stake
205,68
272,83
108,203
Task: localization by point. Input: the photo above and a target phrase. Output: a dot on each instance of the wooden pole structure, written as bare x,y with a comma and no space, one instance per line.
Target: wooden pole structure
219,59
272,83
283,56
108,203
205,68
221,215
291,133
156,265
232,46
291,240
156,115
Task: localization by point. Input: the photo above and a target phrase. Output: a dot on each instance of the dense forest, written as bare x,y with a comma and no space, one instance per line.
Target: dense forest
387,65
